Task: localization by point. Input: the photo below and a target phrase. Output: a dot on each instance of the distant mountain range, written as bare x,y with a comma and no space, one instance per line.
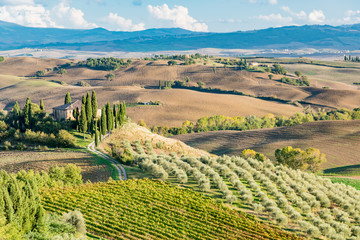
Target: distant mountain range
346,37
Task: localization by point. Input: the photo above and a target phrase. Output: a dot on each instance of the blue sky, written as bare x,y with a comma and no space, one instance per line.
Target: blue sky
195,15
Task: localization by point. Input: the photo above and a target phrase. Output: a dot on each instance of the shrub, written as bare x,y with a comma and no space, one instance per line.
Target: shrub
303,81
76,219
65,139
159,145
278,69
310,159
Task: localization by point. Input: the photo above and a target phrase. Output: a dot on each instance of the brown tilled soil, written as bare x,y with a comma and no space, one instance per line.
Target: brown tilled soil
14,161
339,140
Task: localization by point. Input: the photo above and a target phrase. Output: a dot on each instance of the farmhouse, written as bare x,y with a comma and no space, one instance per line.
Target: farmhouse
65,112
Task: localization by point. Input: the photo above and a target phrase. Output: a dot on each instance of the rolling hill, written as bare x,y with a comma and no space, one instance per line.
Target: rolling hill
293,37
339,140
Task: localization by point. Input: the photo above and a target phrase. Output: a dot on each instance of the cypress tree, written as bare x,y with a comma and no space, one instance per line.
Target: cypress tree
83,120
16,115
103,121
94,104
109,117
27,112
67,98
83,99
42,106
115,116
89,114
76,116
96,134
159,84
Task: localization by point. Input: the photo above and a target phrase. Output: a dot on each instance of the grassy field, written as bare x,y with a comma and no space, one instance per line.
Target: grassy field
351,170
145,209
347,181
93,167
339,140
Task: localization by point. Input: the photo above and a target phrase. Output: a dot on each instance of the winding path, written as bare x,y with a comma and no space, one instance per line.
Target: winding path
118,166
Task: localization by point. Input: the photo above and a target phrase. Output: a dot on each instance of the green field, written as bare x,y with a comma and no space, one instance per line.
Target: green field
146,209
347,181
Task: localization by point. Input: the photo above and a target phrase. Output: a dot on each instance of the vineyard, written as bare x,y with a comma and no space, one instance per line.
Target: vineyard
290,198
147,209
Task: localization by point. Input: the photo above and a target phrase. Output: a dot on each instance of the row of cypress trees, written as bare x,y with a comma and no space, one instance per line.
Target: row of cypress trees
86,119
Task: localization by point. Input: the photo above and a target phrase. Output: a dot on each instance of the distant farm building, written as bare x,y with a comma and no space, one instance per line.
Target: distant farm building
65,112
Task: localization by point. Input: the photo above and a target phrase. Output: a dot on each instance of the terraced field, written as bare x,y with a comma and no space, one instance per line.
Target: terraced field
146,209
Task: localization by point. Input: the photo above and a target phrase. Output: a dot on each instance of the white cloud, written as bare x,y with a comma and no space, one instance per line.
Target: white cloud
66,16
179,16
17,2
300,15
273,2
275,18
119,23
230,20
27,15
317,16
352,16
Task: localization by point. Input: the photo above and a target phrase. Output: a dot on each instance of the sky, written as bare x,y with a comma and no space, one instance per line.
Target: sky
194,15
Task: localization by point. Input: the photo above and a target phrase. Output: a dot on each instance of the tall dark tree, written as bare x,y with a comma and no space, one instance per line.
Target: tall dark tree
94,104
67,98
83,120
109,117
96,138
103,121
83,100
89,114
115,116
42,106
27,113
15,116
76,115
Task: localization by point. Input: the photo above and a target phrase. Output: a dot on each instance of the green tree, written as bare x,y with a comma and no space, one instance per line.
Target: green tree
96,134
115,116
94,104
27,113
83,100
42,106
67,98
160,84
172,62
270,76
89,114
61,71
110,76
40,74
103,121
309,159
109,117
278,69
83,120
76,115
298,73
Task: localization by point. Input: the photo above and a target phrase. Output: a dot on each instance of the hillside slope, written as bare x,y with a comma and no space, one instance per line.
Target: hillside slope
339,140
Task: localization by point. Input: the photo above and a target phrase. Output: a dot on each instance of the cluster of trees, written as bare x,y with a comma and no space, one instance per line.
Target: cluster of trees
296,158
2,59
219,122
351,59
278,69
31,124
302,81
21,213
106,64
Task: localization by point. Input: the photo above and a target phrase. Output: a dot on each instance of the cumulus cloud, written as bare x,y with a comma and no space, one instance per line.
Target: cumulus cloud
352,16
317,16
300,15
273,2
66,16
275,18
17,2
179,16
27,15
119,23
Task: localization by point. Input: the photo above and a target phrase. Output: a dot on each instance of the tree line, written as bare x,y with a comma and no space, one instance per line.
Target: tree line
219,122
351,59
106,64
88,121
